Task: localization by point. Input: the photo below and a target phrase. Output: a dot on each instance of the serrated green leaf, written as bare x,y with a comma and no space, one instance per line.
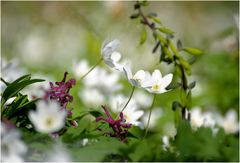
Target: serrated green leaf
193,51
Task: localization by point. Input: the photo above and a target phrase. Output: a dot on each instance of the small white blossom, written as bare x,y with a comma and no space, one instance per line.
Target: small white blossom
138,78
49,117
58,154
157,83
110,56
229,122
80,68
91,97
12,147
132,114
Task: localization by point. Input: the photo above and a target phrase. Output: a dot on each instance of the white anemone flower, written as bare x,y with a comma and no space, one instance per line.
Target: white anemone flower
138,78
80,68
49,117
157,83
58,154
91,97
131,113
110,56
12,147
229,122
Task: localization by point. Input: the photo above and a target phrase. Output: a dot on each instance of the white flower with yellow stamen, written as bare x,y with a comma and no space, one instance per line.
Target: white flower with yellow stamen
49,117
157,83
138,78
110,56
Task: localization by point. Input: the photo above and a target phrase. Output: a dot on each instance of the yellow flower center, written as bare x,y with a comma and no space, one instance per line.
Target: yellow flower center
49,121
156,87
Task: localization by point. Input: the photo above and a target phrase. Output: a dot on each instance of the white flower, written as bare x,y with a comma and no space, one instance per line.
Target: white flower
80,68
91,97
110,56
58,154
230,122
166,144
100,79
142,99
138,78
12,147
157,83
49,117
131,113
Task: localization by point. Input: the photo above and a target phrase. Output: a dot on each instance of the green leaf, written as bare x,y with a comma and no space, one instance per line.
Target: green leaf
136,132
14,88
173,86
165,30
189,100
134,16
193,51
143,37
192,85
155,19
185,64
167,52
161,38
176,105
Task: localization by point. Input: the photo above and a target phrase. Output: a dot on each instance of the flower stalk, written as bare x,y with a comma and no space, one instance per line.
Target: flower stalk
149,116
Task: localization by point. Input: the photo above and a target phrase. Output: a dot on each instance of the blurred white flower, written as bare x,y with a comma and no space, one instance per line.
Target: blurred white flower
142,99
49,117
157,83
138,78
166,144
156,114
131,113
80,68
206,119
58,154
12,147
102,80
169,130
10,71
229,122
91,97
110,56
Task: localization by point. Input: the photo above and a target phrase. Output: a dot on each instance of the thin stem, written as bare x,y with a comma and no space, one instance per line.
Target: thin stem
149,116
133,88
91,69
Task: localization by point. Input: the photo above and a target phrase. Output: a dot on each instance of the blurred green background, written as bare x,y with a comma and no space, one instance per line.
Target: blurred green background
47,37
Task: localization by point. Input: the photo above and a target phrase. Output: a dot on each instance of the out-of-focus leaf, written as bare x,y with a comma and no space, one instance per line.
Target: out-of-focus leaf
192,85
179,45
193,51
155,19
134,16
143,37
165,30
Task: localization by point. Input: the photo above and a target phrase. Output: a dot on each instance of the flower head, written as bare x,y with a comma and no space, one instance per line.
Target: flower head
49,117
60,92
138,78
119,126
110,56
156,83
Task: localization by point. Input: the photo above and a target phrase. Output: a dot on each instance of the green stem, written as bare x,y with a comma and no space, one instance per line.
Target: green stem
149,117
91,69
133,88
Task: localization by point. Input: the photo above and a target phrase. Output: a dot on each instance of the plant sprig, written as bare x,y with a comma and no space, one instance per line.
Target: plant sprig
170,54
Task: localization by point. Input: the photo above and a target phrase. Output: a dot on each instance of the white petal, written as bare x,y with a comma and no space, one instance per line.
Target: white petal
109,48
166,80
116,56
139,75
127,71
157,75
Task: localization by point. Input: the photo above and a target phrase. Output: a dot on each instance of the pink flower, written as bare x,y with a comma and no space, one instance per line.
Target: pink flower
119,126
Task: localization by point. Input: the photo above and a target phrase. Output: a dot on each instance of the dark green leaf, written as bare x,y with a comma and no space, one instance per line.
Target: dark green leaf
192,85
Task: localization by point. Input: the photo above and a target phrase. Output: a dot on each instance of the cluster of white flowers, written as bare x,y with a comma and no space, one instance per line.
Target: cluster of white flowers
154,83
12,147
214,119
